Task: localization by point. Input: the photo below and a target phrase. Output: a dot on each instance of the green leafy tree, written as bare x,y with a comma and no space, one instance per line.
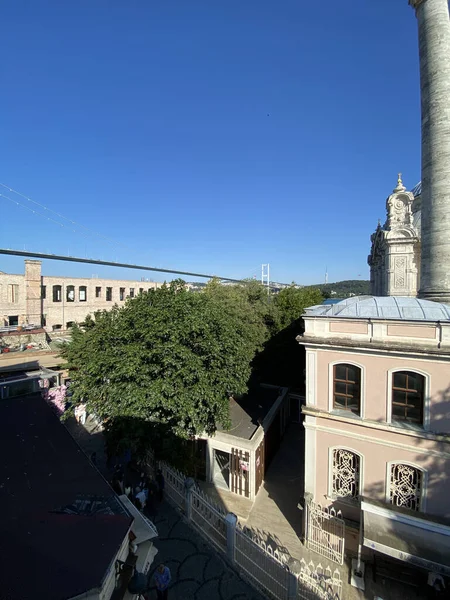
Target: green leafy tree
249,302
168,357
291,302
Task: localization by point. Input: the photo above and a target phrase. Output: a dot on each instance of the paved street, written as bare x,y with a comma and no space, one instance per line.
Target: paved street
198,572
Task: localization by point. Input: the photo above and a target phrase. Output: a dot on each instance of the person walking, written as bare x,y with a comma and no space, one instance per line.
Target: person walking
162,581
141,498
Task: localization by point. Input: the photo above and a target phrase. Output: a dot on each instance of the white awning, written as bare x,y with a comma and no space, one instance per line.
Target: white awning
415,539
142,527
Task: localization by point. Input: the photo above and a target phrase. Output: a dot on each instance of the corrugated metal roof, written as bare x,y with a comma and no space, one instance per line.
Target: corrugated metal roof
384,307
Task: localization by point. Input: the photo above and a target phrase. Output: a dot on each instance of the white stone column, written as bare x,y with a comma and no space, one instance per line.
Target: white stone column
434,52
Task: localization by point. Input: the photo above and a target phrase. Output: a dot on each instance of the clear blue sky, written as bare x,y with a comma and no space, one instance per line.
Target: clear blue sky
207,135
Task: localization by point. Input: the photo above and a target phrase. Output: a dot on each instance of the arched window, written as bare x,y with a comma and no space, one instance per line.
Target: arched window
346,474
405,486
82,293
347,388
407,396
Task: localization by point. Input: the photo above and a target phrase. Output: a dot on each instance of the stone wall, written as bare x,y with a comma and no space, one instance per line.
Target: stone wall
14,339
33,299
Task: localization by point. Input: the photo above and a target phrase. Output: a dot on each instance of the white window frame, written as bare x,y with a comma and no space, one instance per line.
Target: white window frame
362,401
423,493
330,492
426,398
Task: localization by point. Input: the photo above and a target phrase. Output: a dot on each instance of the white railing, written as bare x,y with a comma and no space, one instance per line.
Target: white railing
317,583
263,569
209,518
174,485
267,567
261,538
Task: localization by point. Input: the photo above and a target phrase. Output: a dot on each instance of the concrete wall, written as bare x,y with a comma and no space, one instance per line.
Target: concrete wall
14,339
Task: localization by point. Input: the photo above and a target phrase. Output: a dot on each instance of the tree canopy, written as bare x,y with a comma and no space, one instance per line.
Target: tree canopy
343,289
290,304
168,356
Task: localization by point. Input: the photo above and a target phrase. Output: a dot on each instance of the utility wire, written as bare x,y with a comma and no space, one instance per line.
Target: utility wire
74,223
36,212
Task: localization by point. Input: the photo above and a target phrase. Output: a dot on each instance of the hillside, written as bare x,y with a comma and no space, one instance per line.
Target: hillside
343,289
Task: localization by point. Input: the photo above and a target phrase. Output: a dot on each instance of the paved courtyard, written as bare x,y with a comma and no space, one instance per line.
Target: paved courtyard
198,572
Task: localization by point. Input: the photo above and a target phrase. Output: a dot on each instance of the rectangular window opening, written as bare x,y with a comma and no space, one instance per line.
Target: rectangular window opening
13,293
57,293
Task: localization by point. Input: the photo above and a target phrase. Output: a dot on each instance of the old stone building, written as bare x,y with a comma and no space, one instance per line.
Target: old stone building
55,303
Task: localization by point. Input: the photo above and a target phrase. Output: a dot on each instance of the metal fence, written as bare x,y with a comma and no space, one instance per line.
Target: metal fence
266,568
325,531
209,518
263,569
263,540
317,583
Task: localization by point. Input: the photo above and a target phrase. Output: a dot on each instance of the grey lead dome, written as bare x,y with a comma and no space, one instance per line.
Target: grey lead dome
383,307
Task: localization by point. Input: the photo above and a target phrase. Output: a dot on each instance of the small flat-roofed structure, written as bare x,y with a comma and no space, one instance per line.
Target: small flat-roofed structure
237,458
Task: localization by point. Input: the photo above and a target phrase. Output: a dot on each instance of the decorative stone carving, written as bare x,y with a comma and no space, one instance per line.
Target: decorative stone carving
393,257
399,208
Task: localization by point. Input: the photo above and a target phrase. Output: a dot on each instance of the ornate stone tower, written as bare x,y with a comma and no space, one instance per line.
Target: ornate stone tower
434,53
394,256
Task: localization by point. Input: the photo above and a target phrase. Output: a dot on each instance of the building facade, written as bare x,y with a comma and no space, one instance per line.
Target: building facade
377,418
56,303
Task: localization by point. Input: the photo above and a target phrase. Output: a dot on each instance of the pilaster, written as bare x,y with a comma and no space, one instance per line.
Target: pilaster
33,291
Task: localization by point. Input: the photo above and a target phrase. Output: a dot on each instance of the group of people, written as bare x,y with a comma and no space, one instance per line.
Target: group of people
145,495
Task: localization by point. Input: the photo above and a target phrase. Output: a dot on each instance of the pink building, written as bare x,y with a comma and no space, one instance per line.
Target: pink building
377,420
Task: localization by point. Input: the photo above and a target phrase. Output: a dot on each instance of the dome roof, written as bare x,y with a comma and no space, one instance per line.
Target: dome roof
383,307
417,190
